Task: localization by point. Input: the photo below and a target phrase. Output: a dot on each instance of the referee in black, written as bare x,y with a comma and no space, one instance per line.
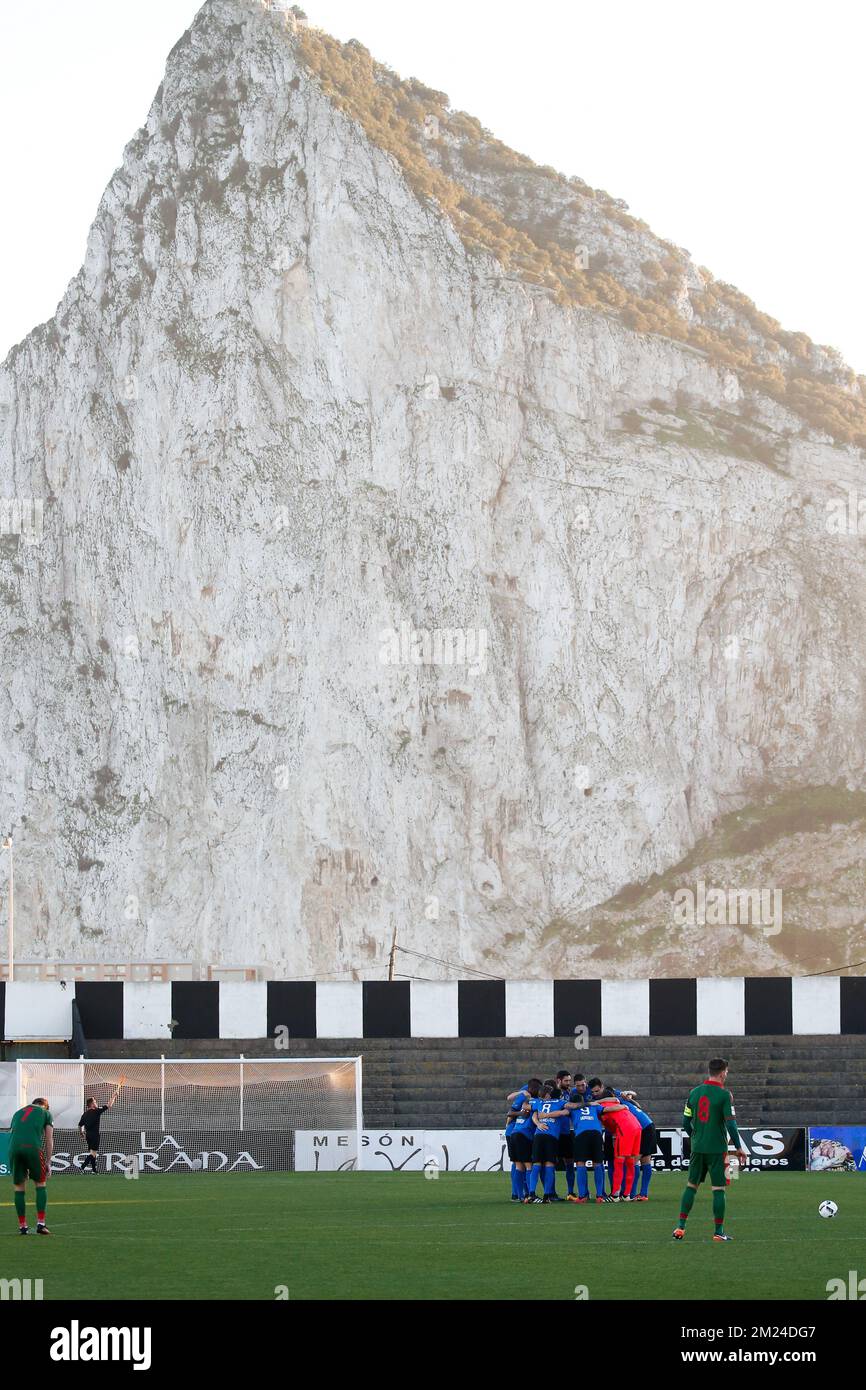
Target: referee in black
89,1126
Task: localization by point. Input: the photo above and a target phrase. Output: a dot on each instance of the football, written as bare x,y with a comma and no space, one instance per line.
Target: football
827,1209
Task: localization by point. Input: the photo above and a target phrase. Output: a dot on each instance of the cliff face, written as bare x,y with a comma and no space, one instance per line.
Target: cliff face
286,428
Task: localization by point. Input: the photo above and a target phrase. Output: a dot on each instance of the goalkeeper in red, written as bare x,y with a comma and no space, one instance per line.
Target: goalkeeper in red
31,1144
708,1119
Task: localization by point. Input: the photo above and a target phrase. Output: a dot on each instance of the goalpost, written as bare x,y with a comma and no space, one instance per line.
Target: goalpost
229,1115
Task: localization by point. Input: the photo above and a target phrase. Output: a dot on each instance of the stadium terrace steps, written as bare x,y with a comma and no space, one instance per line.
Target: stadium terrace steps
461,1083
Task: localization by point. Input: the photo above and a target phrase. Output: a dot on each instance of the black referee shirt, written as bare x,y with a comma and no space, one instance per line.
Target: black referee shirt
90,1121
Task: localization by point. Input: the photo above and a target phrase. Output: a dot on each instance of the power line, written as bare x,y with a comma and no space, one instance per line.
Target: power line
814,974
456,965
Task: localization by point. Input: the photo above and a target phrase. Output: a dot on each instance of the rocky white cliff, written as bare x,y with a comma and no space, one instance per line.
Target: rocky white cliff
286,432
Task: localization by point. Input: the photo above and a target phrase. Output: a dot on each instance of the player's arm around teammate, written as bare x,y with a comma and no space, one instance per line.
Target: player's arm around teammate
619,1120
518,1138
588,1144
648,1144
565,1152
521,1147
546,1115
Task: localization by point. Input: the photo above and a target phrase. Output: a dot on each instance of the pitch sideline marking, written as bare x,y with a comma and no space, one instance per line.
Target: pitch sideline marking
105,1202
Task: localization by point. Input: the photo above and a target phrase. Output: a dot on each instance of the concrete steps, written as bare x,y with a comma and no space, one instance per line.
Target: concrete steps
457,1083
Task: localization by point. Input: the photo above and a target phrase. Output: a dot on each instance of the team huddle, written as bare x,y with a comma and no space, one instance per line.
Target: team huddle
572,1123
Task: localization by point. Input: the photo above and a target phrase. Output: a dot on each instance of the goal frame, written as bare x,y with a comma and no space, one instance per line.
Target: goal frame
130,1063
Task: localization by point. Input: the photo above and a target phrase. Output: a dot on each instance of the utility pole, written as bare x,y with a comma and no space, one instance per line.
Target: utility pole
7,844
393,961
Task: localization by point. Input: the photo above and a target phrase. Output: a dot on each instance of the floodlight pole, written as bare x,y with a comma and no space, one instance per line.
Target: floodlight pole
7,844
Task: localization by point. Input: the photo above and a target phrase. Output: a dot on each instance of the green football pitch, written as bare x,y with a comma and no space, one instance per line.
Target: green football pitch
402,1236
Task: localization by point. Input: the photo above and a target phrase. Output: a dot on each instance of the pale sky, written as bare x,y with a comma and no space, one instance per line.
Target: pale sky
734,129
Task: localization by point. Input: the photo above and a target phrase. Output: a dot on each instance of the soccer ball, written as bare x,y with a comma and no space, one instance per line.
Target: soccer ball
827,1209
196,1165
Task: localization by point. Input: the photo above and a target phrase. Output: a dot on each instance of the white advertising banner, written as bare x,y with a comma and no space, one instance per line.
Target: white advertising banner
402,1150
484,1150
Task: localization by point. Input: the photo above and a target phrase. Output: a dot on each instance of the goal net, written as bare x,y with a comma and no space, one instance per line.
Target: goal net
218,1116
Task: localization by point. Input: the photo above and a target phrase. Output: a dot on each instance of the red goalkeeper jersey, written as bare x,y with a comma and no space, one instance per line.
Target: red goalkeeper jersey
622,1123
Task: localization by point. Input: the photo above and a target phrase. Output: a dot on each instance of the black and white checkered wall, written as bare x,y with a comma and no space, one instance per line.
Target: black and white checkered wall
456,1009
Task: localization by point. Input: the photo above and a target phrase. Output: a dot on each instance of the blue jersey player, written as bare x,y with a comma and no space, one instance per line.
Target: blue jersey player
519,1131
588,1144
548,1116
566,1133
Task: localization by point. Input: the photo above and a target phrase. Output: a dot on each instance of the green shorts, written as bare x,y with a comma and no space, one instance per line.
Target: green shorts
27,1162
701,1164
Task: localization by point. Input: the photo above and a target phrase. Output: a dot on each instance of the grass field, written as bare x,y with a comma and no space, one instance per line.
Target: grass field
401,1236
